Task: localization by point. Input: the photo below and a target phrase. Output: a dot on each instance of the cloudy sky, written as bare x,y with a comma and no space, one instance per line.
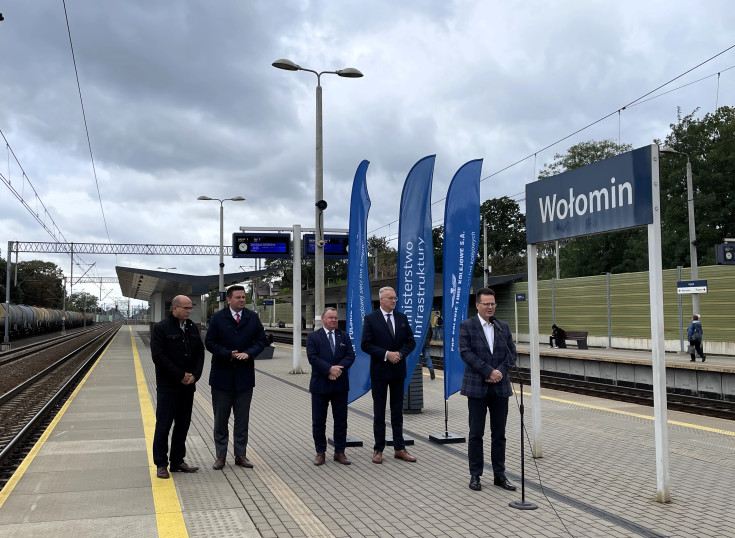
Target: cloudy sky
181,100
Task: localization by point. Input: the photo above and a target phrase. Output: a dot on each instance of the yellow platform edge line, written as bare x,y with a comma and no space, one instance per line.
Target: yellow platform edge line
637,415
23,467
169,516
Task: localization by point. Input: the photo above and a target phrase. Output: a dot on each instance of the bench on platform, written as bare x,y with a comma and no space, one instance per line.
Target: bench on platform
579,337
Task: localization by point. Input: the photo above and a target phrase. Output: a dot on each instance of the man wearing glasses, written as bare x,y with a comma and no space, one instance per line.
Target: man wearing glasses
178,353
488,351
388,339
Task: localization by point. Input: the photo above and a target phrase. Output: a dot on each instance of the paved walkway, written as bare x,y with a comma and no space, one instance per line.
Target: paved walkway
598,470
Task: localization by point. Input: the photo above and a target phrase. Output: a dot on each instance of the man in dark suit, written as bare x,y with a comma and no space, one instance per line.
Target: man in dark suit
388,339
178,353
330,354
235,337
488,351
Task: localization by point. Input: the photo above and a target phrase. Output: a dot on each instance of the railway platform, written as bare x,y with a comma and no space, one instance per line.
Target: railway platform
91,473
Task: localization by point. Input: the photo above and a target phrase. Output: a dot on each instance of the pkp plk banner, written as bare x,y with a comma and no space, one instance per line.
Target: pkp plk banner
461,235
358,282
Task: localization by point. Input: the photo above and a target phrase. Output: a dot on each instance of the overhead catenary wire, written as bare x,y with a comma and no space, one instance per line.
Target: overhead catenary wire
637,101
84,117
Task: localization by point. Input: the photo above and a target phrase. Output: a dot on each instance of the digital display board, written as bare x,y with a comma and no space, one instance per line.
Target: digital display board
255,245
336,246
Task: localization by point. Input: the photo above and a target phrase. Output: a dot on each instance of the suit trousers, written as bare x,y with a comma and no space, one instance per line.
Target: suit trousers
380,395
173,407
319,407
478,409
223,401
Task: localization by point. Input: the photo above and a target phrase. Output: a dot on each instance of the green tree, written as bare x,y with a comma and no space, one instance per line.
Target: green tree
38,283
506,237
710,144
81,302
387,256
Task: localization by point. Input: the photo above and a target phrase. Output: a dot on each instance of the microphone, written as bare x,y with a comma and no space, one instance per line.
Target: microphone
496,324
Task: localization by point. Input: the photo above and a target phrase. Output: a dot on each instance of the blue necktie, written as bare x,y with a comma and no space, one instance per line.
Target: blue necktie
331,341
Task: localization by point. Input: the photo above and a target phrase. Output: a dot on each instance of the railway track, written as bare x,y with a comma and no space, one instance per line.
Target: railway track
32,402
642,396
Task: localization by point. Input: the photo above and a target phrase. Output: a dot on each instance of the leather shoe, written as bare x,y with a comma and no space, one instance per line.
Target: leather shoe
219,464
405,456
319,460
475,483
504,483
377,457
183,467
162,472
242,461
341,458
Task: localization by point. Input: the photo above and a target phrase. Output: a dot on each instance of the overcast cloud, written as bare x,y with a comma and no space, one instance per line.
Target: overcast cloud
181,100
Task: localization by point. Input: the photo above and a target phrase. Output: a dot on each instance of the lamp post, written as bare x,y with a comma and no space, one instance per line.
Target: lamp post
693,242
320,204
221,242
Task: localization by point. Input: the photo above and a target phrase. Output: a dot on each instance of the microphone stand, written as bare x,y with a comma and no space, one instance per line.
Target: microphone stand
522,504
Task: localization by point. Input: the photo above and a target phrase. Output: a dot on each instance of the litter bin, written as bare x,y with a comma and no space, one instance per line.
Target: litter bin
413,399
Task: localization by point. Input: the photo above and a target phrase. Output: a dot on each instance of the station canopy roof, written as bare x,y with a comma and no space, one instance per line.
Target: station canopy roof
143,283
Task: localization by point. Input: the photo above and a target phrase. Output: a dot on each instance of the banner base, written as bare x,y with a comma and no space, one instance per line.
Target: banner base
351,441
446,438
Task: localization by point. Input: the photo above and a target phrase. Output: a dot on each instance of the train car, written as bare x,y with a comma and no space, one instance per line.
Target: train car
26,320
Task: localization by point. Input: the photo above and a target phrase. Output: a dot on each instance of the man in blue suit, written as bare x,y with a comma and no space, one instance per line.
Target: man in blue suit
234,338
488,351
330,354
388,339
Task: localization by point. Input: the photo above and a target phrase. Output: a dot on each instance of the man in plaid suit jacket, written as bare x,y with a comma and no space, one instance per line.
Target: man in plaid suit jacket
488,351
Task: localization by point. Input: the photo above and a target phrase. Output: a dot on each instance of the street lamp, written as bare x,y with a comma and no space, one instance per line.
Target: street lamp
167,268
693,242
221,242
320,204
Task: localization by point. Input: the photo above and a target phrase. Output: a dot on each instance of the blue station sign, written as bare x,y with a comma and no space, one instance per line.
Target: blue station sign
336,246
685,287
612,194
520,297
255,245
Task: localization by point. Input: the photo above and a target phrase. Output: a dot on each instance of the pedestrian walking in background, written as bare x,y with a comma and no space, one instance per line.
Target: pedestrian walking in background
694,335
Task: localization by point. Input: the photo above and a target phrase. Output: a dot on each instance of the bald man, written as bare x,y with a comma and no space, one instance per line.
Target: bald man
178,353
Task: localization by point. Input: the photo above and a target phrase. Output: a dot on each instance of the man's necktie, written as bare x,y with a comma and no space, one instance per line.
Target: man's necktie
237,317
390,326
331,340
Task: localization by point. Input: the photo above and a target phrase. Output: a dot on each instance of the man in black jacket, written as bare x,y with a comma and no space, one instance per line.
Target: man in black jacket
178,353
234,338
388,339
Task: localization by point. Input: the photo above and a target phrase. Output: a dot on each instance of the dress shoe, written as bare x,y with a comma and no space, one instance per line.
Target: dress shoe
475,483
692,360
377,457
504,483
704,358
319,460
219,463
432,375
162,472
242,461
405,456
341,458
183,467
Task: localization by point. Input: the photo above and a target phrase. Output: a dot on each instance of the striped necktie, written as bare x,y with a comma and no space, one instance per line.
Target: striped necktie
331,340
